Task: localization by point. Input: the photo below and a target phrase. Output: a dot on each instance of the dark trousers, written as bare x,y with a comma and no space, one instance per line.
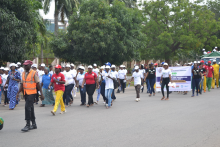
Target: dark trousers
90,89
36,97
165,81
152,82
148,85
122,85
67,93
103,91
83,94
195,83
113,94
6,97
137,89
29,107
1,126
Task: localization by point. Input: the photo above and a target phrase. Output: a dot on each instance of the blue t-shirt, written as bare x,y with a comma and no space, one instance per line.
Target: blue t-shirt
46,80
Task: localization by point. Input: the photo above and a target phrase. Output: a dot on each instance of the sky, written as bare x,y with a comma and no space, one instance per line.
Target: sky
50,14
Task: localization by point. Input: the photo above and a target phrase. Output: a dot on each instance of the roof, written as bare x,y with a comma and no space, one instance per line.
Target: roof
213,54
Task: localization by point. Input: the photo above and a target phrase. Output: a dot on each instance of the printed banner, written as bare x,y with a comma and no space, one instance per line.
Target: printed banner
180,75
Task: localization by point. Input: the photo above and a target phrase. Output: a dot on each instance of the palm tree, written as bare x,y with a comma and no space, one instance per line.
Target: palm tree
62,10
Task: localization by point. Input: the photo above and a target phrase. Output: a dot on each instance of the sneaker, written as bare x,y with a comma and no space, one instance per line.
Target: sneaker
192,95
54,113
75,95
62,112
104,103
137,99
197,94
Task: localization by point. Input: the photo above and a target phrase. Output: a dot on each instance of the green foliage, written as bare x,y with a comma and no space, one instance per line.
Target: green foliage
172,25
18,27
101,33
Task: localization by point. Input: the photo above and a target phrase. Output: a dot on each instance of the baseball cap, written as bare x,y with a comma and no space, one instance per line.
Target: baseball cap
42,64
26,62
113,66
94,64
12,64
136,67
71,64
162,63
90,66
34,65
18,63
58,66
6,68
67,65
201,61
165,64
209,62
155,64
107,66
214,60
108,63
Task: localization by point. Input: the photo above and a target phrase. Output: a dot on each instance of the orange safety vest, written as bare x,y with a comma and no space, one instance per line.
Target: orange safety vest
29,85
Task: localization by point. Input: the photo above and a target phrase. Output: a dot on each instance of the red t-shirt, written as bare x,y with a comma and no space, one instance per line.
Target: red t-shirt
58,86
90,78
210,71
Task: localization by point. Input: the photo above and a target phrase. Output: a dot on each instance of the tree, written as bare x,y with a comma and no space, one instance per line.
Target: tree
100,33
172,25
63,8
18,27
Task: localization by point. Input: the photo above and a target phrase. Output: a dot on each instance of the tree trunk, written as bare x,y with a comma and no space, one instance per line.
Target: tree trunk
42,54
56,19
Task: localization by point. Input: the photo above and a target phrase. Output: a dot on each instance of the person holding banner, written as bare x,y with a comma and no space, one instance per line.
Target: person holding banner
151,77
196,79
210,75
165,79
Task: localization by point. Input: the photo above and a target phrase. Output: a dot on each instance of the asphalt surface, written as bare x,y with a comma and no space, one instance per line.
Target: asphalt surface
182,121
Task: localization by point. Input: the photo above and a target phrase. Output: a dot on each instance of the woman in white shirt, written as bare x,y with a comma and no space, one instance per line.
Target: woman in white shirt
4,79
138,81
70,78
122,77
79,80
165,79
142,70
109,86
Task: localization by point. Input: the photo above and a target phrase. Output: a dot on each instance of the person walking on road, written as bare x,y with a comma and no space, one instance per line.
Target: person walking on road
210,75
122,78
196,79
58,80
204,67
13,81
138,80
79,81
165,79
92,83
29,83
5,90
151,77
216,75
115,74
48,93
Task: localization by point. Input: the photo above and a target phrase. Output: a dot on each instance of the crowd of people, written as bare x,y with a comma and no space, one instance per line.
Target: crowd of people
40,82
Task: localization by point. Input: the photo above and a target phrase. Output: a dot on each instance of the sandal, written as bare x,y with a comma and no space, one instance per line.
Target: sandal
163,98
167,99
87,105
42,105
154,94
150,95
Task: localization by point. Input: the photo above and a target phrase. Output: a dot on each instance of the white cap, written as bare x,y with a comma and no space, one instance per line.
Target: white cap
12,64
71,64
2,68
121,65
102,67
42,64
214,50
94,64
214,60
204,53
6,68
63,66
195,61
165,64
216,47
34,65
81,67
136,67
18,63
107,67
198,61
203,49
90,66
113,66
68,65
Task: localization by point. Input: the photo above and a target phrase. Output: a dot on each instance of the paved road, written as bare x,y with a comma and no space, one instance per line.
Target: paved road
180,122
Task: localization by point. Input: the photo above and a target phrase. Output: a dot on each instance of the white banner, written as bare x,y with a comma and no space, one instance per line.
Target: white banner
180,75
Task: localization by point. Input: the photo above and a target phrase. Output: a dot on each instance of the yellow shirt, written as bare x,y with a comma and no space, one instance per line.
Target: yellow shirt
216,69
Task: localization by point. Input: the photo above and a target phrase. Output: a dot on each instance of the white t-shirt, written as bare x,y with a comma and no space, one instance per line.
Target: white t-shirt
4,79
80,78
142,71
137,78
121,74
69,77
51,72
96,71
21,70
166,73
40,74
74,71
109,84
115,74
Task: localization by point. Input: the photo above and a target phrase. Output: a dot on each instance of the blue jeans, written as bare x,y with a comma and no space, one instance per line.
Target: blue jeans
98,93
1,91
67,93
151,83
201,85
103,90
148,85
195,83
113,94
108,93
83,94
